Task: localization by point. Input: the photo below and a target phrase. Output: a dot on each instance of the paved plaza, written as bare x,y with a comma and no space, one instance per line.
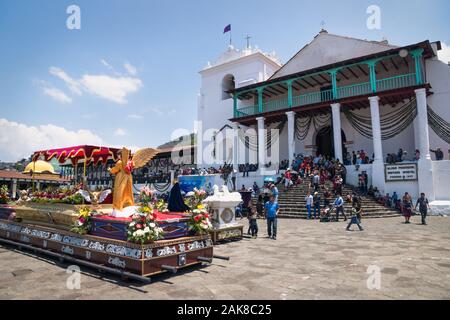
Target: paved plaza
310,260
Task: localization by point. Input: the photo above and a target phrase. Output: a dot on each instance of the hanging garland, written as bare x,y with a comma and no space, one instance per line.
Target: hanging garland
162,187
439,125
302,125
391,123
252,141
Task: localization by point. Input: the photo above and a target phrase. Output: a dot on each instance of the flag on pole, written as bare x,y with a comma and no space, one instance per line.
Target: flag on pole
227,28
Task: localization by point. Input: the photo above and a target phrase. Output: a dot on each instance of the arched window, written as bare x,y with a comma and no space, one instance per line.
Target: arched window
227,85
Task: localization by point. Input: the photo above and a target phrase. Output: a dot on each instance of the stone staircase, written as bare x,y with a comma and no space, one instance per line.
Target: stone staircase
293,205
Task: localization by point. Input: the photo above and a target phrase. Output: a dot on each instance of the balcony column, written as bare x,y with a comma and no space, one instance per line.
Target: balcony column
425,165
235,127
337,136
289,86
291,135
260,99
261,144
417,55
378,179
373,75
333,74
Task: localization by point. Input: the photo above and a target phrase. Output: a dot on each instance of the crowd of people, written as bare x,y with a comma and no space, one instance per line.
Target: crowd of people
357,158
225,168
246,168
322,202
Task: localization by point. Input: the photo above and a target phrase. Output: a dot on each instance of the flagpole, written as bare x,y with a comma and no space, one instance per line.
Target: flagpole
230,37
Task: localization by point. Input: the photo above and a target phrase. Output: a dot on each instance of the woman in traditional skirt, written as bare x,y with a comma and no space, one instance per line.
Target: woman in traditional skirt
407,207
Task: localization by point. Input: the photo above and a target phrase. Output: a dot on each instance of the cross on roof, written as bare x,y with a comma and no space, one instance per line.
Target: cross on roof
248,40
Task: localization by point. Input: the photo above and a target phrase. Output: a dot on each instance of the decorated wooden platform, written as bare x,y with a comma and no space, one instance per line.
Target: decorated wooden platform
173,224
227,234
143,260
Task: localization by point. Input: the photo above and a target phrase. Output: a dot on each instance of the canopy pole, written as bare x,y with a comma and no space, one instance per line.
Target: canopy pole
32,175
84,174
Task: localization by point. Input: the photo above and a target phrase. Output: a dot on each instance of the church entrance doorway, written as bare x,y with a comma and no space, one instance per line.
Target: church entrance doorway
325,142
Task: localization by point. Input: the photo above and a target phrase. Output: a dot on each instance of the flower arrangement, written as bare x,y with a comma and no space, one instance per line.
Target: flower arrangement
83,223
195,198
144,228
161,206
199,222
58,195
146,195
4,197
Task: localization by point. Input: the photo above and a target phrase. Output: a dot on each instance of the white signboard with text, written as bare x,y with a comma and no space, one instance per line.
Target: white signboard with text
401,172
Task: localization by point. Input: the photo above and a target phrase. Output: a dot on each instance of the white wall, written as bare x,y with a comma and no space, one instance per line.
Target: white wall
441,179
412,187
212,110
438,75
352,174
326,49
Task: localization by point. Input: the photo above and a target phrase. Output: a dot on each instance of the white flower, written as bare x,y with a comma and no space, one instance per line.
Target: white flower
146,229
152,225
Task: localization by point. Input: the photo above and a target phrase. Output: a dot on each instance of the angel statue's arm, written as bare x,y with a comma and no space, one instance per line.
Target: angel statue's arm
116,168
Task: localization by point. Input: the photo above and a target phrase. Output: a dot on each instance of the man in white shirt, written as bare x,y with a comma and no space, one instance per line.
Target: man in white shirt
339,206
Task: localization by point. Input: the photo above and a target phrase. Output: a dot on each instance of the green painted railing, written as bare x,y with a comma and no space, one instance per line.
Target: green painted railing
359,89
275,105
312,97
406,80
246,111
354,90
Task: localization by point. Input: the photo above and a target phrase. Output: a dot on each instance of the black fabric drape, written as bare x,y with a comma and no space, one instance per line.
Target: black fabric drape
176,203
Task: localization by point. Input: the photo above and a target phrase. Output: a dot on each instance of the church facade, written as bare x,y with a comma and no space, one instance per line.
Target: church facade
335,96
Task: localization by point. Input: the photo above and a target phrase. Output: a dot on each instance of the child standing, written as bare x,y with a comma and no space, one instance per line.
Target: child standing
253,216
260,206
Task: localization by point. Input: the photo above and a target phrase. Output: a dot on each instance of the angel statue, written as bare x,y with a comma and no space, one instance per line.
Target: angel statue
95,198
123,182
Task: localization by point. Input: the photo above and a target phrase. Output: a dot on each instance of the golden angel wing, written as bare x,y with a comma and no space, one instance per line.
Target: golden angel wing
143,156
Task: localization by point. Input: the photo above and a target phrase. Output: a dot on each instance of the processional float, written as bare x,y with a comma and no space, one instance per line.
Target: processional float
106,229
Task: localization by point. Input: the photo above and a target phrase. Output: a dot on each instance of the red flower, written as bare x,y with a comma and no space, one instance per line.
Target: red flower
82,220
129,167
206,216
139,226
197,218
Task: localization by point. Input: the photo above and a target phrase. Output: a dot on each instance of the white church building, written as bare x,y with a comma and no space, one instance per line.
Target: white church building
336,95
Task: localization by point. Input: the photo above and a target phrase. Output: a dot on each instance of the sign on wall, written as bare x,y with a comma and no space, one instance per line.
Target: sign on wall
401,172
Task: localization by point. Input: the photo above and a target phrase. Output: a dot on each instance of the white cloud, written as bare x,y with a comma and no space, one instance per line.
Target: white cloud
106,64
72,84
444,53
119,132
130,68
111,88
18,140
57,94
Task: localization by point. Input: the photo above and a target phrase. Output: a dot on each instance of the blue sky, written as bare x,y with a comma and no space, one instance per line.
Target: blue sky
130,75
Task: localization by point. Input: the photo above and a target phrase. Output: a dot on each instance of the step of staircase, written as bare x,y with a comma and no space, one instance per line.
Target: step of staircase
293,205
